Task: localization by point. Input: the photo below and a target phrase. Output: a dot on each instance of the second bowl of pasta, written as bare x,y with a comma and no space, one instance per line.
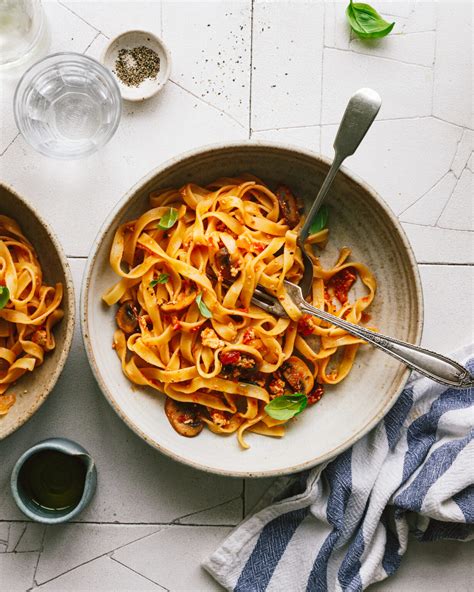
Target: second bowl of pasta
37,311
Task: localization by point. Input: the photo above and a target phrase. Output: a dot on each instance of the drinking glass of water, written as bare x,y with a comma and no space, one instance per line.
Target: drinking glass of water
67,105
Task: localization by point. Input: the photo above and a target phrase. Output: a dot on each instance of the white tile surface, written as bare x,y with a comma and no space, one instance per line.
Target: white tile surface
32,538
459,211
427,209
112,21
305,65
439,245
102,574
346,71
17,570
395,160
84,543
422,17
453,65
446,289
417,48
337,32
218,71
307,137
15,533
463,153
190,544
287,64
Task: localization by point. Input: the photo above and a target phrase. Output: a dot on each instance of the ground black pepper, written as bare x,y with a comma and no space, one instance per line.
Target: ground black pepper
134,65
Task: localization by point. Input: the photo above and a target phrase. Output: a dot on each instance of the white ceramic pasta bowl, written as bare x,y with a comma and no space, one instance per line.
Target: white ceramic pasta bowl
33,388
359,218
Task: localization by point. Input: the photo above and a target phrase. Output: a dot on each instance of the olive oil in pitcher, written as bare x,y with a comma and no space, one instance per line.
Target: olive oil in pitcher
53,480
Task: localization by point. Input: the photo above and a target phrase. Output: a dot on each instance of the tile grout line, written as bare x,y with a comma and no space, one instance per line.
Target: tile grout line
95,37
445,264
81,18
198,98
423,195
4,152
379,120
137,572
378,57
461,138
106,554
108,523
175,521
446,205
437,227
252,6
35,583
21,536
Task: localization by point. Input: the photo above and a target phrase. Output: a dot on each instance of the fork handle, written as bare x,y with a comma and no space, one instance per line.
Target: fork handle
431,364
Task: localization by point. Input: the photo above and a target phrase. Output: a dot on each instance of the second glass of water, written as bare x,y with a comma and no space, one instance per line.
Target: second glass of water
67,105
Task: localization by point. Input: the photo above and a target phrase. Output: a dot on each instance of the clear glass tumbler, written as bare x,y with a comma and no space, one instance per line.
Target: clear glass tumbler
67,105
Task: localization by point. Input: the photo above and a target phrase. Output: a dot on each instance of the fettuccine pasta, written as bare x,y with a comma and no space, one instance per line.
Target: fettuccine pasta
29,309
188,268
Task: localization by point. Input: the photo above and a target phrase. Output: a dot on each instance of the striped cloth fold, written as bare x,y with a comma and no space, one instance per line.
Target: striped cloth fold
345,525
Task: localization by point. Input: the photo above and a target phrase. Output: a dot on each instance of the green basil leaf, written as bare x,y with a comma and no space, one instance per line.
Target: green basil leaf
202,307
367,22
162,279
4,296
286,406
320,220
168,220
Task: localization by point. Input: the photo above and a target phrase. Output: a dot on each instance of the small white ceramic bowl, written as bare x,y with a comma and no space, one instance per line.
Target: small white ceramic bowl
129,40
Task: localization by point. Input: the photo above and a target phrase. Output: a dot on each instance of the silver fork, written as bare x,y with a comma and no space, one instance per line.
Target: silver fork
430,364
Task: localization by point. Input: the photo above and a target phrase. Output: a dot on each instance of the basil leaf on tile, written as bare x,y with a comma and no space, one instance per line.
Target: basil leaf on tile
320,220
366,22
4,296
286,406
202,307
162,279
169,219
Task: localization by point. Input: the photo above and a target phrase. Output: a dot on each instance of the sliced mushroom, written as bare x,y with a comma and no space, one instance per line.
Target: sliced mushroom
297,375
184,417
224,263
183,302
288,205
127,317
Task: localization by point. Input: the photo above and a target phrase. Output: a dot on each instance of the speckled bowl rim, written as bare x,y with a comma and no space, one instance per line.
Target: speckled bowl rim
117,213
69,314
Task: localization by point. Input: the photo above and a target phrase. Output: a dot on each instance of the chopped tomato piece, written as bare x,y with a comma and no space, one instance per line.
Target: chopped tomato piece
316,394
342,282
248,336
229,358
306,325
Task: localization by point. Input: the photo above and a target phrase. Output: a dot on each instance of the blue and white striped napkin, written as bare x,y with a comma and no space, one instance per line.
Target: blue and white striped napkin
345,525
